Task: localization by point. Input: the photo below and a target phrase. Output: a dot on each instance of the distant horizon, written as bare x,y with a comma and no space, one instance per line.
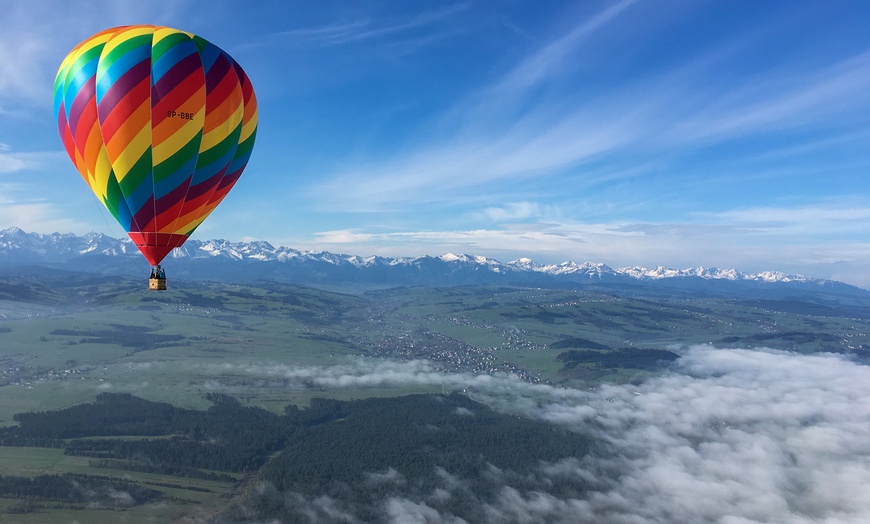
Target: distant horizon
616,268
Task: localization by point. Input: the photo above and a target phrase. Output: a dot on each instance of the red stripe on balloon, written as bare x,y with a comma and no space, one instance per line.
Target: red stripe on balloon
168,200
178,72
86,121
169,213
143,218
206,186
65,134
112,121
155,246
128,83
172,100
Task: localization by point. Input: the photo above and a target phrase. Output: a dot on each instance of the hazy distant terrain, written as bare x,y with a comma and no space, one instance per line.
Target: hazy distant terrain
228,418
257,260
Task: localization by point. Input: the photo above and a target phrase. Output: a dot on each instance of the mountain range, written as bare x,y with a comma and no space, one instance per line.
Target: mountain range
259,260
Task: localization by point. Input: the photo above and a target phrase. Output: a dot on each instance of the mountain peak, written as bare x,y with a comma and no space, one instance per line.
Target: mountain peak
236,258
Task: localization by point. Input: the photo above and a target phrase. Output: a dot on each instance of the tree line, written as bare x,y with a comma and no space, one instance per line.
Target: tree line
629,358
355,451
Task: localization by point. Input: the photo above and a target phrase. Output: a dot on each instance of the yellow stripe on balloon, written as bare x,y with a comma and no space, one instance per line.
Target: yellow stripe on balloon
63,72
131,154
77,53
249,128
121,37
222,131
102,170
136,122
183,135
182,225
163,32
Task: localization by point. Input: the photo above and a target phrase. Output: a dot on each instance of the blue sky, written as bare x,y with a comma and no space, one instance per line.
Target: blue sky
676,133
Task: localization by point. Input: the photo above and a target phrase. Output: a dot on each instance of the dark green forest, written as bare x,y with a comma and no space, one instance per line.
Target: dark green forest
355,452
628,358
74,490
412,446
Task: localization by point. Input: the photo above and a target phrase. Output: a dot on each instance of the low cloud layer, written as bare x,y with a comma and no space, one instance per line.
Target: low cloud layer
730,436
736,436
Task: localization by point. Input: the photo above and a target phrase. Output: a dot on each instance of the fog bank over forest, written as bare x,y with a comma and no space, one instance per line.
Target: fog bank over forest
728,435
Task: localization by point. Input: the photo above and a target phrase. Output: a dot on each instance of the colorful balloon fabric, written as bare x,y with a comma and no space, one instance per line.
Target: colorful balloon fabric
160,123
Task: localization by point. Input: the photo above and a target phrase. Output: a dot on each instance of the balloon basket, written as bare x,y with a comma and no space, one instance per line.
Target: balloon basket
157,284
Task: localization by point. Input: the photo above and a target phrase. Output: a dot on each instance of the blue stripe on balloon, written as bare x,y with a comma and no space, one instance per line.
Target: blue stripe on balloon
76,80
210,53
203,173
172,181
170,58
106,78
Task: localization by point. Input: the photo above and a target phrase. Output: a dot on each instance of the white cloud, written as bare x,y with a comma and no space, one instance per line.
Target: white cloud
404,511
617,244
807,218
752,435
344,236
512,211
369,28
391,476
732,435
11,162
816,239
37,216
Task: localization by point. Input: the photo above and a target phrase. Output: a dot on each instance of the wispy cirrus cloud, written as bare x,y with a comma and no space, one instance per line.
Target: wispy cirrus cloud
512,165
12,161
833,212
513,211
508,131
825,222
780,99
22,203
369,28
551,57
36,215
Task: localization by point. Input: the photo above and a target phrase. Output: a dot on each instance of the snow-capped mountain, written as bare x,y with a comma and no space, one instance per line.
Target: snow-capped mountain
221,259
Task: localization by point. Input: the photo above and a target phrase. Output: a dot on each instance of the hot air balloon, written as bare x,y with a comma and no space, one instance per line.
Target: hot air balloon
160,124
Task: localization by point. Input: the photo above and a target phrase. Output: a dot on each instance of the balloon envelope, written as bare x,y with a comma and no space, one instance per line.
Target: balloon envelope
160,124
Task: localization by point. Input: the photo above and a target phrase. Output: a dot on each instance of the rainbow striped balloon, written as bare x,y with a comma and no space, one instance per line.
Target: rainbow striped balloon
160,123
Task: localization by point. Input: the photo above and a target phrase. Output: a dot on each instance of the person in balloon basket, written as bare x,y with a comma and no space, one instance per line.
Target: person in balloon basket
158,272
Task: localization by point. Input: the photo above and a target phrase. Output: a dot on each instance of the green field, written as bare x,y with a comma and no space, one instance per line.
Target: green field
64,344
178,345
